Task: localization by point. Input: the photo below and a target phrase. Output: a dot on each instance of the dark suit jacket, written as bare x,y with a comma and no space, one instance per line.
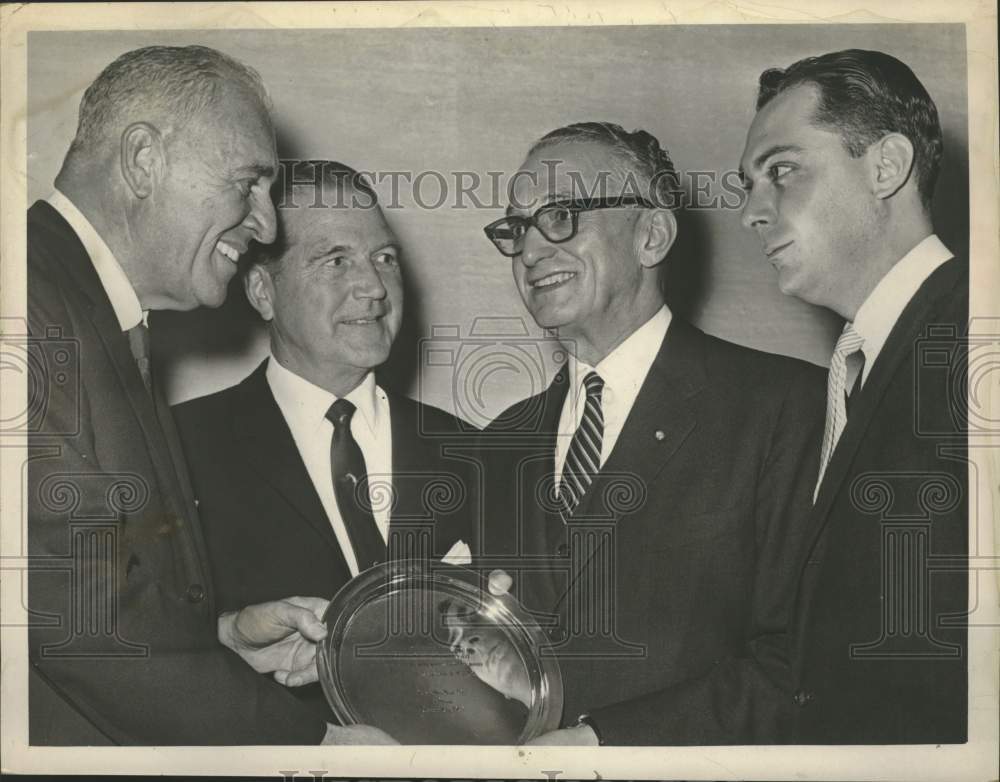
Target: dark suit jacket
122,646
267,533
879,636
684,545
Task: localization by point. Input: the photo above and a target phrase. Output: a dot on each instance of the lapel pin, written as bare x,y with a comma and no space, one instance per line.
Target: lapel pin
659,434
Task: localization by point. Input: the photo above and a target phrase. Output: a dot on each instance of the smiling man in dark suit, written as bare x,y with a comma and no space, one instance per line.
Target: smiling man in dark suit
272,458
841,162
648,503
165,185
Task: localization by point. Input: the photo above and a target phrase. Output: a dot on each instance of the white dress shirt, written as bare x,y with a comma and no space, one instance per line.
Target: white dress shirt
123,298
879,312
304,407
623,371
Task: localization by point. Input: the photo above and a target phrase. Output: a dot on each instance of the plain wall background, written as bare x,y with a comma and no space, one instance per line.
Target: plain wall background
474,99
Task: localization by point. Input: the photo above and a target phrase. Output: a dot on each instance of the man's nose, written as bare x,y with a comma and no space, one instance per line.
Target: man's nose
534,247
262,219
758,211
368,282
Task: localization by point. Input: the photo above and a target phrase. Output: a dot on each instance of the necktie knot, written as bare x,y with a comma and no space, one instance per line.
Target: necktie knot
850,341
845,366
138,342
340,414
594,385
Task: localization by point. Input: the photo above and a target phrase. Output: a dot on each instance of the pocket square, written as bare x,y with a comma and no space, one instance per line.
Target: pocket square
459,554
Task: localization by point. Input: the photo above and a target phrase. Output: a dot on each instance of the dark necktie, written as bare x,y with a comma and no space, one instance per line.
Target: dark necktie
350,487
583,459
138,342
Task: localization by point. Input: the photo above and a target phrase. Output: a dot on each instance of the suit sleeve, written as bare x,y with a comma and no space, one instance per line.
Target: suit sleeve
147,669
746,699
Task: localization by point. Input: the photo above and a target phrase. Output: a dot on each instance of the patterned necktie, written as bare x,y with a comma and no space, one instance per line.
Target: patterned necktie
845,368
347,465
583,460
138,342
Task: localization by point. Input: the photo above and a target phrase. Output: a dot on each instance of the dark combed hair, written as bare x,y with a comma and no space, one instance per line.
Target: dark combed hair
866,95
639,151
311,184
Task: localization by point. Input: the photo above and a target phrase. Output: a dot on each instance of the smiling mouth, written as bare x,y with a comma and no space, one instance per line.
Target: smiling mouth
228,251
775,250
552,280
362,321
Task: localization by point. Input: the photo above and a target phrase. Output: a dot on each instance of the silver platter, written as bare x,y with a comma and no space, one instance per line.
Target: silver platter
425,652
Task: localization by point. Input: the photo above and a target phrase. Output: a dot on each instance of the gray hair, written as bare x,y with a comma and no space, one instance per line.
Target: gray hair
178,82
639,151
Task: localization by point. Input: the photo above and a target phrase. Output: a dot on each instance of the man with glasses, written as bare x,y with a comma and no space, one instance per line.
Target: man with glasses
646,504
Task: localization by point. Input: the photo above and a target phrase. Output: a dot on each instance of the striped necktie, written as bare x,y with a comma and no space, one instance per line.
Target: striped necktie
583,460
845,366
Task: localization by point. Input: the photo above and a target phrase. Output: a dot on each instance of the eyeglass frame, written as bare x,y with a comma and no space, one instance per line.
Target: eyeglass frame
575,206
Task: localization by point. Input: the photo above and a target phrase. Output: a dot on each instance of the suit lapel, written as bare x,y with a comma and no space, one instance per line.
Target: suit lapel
116,344
662,417
899,346
541,470
410,463
185,496
407,458
268,446
102,316
96,306
542,526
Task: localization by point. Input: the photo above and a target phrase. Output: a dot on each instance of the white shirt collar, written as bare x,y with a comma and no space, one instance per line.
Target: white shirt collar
303,405
625,368
623,371
299,397
879,312
116,284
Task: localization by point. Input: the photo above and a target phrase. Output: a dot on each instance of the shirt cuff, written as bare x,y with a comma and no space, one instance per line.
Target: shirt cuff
585,719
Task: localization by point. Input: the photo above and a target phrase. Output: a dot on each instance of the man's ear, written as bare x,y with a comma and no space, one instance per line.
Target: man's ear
657,234
259,286
142,157
891,159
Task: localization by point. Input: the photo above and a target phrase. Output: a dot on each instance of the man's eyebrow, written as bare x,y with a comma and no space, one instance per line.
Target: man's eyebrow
321,250
255,169
559,195
777,149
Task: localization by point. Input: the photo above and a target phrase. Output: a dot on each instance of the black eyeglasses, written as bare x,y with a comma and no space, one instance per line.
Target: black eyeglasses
556,221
